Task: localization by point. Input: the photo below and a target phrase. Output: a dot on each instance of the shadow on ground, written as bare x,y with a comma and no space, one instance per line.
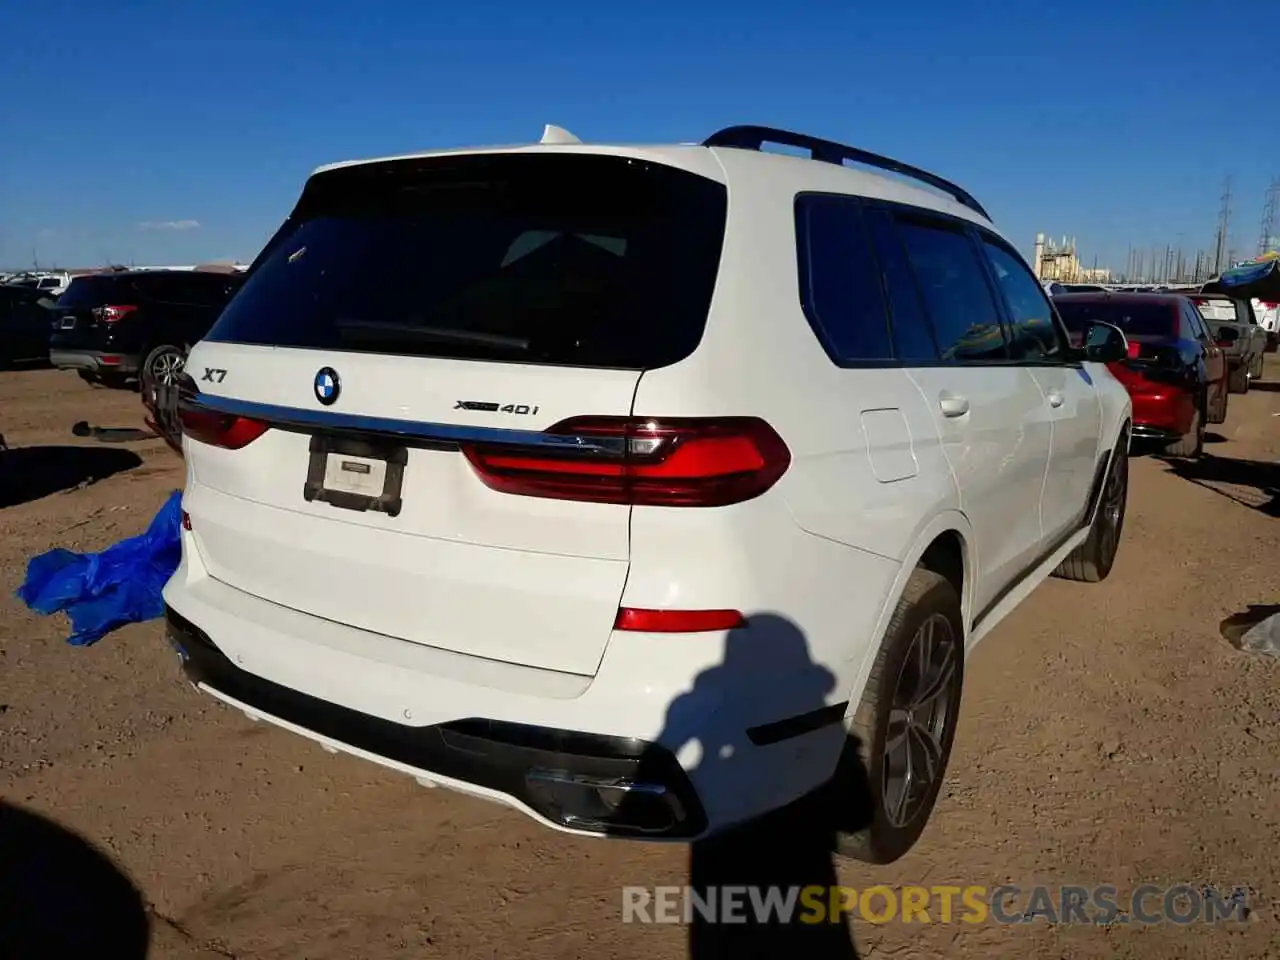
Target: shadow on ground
1270,386
29,473
1262,476
1238,624
768,666
60,897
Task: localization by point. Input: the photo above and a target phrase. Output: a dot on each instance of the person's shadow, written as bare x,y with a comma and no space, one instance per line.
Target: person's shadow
792,848
60,897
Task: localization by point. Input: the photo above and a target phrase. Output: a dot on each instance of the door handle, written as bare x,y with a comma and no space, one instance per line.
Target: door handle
1055,399
953,405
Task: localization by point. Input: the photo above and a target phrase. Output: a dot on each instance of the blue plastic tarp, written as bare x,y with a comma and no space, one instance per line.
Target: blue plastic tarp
102,591
1259,280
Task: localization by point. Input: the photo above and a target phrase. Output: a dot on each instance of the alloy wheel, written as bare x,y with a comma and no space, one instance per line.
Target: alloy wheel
915,740
165,367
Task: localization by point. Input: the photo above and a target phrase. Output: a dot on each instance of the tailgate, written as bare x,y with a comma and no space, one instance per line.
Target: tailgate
535,289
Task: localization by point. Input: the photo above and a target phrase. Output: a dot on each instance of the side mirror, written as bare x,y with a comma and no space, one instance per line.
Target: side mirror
1104,343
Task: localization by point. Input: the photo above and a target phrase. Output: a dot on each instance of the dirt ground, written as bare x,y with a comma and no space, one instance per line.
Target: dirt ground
1109,735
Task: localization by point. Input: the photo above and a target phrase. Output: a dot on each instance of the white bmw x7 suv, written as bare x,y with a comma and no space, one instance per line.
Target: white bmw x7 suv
673,481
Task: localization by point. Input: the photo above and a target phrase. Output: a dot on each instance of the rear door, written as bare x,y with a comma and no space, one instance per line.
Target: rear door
533,289
990,413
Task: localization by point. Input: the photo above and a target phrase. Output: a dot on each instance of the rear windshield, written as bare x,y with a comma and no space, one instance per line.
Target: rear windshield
1238,310
96,291
572,260
1134,318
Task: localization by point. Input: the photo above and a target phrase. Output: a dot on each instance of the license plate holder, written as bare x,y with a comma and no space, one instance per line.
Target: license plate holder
352,473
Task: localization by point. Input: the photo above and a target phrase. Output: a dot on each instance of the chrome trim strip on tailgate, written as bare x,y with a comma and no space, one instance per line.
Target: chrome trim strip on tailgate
295,418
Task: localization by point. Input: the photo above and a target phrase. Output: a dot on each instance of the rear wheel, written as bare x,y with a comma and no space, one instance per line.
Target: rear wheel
1091,562
1191,445
906,721
1255,370
1239,382
163,365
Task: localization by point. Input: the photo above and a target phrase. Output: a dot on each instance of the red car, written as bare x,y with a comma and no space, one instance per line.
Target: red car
1176,375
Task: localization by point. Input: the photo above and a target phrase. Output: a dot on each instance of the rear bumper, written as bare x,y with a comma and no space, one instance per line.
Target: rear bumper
694,747
93,361
600,784
1166,415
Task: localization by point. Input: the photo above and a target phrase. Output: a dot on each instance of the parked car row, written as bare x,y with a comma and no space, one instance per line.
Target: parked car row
1261,314
1186,356
50,283
117,326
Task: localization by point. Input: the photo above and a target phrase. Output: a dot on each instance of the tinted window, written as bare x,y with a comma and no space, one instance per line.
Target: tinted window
95,291
1035,334
191,289
953,284
1135,317
912,335
839,280
560,259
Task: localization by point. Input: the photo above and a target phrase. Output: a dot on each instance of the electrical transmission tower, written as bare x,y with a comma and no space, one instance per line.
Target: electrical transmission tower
1269,216
1224,227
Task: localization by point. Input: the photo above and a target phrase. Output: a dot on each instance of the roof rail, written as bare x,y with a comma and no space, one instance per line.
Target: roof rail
755,137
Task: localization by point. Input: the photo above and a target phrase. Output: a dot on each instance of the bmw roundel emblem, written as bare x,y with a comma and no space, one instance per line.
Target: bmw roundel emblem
327,385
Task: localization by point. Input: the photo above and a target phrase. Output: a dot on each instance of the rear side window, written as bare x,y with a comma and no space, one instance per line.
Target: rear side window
912,336
188,289
840,281
1136,317
550,259
953,285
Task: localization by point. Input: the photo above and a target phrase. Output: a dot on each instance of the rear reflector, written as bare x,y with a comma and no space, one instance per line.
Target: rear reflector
186,520
677,621
219,429
641,461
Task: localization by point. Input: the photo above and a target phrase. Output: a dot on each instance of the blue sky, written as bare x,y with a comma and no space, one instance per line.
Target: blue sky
156,132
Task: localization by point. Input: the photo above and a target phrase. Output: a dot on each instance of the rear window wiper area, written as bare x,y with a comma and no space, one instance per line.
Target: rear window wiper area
376,331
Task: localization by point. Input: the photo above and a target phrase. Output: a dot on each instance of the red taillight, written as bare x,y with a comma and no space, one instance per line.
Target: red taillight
114,313
1135,350
186,520
640,461
677,621
220,429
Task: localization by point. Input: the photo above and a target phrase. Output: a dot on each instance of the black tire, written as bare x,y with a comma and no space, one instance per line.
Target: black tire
1191,446
1238,382
87,376
929,601
1091,562
1255,369
162,362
